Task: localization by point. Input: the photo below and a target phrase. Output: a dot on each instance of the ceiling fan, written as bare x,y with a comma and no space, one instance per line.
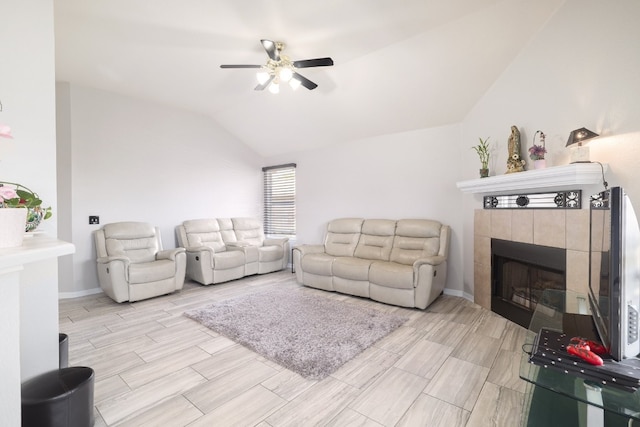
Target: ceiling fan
279,68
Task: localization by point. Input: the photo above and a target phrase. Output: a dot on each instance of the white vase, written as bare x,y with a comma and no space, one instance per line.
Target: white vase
539,164
12,226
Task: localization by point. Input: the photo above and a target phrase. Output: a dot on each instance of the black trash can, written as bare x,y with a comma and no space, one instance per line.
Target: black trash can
63,350
60,398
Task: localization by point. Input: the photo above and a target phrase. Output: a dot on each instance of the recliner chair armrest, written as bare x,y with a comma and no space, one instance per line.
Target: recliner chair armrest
275,241
170,253
108,259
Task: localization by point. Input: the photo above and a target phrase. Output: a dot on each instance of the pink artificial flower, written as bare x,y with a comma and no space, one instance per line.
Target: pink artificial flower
7,193
5,131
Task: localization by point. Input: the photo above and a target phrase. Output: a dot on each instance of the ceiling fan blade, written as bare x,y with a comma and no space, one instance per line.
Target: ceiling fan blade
318,62
271,48
265,84
304,81
241,66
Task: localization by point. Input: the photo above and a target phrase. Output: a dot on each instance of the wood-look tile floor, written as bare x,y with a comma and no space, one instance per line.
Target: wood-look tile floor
453,364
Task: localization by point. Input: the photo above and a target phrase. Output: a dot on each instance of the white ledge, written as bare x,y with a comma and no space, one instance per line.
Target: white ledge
36,247
566,176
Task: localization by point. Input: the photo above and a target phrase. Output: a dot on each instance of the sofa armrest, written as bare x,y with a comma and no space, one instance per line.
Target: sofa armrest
309,249
298,252
273,241
236,245
432,260
170,253
430,275
240,246
197,249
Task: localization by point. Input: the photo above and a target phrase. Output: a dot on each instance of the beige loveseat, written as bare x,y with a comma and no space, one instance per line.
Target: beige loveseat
223,249
401,262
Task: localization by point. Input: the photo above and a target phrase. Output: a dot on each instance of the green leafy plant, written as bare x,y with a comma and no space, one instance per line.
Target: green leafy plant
13,195
483,152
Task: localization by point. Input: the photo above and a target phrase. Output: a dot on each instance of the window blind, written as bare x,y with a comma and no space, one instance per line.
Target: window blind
280,199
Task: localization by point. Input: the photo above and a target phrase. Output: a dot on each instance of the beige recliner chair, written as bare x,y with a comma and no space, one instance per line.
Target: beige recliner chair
132,264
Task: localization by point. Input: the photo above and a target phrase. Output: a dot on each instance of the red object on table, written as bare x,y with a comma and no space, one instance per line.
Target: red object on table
585,354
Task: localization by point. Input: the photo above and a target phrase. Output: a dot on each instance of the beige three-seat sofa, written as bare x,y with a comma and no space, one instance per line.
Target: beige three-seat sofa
400,262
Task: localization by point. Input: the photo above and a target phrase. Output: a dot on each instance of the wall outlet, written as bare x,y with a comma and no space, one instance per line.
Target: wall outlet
94,219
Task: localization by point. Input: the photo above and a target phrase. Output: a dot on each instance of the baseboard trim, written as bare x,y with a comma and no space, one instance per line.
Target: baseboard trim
78,294
456,293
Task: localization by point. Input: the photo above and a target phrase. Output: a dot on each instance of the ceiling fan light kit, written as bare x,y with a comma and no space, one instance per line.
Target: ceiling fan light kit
262,77
279,68
274,88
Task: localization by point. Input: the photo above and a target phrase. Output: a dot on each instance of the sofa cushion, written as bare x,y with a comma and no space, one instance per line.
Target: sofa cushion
376,239
415,238
352,268
226,230
228,259
134,240
248,230
342,236
203,232
151,271
320,264
270,253
391,275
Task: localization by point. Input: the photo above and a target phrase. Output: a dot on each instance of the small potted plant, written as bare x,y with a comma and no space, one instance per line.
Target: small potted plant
483,152
14,195
537,152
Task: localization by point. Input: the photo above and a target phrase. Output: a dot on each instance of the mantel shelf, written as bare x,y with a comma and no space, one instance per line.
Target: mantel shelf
566,177
35,248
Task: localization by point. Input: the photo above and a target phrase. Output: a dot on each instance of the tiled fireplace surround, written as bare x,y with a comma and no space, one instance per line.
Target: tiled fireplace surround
561,228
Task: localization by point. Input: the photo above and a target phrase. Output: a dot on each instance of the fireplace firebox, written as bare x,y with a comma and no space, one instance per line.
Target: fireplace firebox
520,273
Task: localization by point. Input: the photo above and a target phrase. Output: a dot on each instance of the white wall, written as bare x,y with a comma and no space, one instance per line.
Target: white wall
134,160
580,70
405,175
27,93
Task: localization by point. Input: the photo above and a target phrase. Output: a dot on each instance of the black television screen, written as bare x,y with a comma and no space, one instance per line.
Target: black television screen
614,272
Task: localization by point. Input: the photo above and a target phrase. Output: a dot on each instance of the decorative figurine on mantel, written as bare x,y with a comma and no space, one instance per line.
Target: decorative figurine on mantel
537,152
514,163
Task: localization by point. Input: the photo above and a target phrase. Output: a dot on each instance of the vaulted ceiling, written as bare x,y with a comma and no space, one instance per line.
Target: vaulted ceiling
400,65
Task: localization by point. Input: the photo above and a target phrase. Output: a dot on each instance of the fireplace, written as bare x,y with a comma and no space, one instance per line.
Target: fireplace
520,272
539,227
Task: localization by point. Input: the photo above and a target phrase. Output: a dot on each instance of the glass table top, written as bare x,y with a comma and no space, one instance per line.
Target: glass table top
551,313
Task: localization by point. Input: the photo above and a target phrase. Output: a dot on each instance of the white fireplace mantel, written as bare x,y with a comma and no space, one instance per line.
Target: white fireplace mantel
557,177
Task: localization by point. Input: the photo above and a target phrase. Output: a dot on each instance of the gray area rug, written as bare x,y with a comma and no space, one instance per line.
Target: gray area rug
308,334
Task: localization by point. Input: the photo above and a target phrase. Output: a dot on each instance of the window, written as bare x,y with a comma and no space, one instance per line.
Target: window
280,200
